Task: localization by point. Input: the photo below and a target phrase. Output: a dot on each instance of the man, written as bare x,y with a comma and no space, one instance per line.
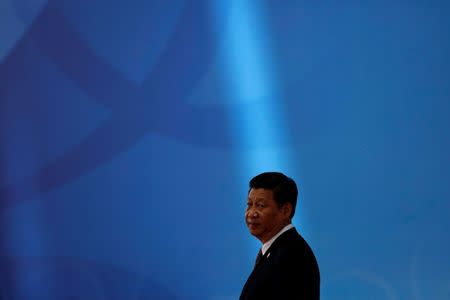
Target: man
286,268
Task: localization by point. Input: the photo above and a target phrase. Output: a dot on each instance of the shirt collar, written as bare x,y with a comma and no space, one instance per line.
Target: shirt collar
269,243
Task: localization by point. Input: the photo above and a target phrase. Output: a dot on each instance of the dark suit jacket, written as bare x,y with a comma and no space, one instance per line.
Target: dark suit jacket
287,271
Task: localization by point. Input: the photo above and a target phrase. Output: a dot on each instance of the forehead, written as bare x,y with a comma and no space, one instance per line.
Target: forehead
260,194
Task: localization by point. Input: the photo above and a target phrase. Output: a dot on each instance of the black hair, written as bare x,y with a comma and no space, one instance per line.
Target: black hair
284,188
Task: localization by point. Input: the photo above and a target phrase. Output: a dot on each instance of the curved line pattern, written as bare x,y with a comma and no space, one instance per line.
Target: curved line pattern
372,279
155,106
99,274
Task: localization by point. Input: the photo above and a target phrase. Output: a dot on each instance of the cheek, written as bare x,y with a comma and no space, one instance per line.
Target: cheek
268,219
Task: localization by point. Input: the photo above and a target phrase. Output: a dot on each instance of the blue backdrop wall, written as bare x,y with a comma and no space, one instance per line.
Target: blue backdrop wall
129,131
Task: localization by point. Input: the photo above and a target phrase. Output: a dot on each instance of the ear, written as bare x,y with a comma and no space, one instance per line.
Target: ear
287,210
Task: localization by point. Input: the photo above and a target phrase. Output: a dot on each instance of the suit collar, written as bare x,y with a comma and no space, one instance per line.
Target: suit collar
280,240
269,243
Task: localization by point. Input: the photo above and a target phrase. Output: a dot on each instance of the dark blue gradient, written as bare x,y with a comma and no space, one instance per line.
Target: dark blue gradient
126,136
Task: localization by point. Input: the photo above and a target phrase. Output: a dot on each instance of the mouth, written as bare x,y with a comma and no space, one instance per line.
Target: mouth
251,225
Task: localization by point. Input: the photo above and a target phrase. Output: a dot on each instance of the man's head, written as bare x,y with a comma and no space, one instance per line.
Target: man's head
271,203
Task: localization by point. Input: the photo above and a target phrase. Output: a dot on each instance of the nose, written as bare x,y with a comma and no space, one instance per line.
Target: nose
252,213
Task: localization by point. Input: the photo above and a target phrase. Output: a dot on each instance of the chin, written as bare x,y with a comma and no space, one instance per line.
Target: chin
255,233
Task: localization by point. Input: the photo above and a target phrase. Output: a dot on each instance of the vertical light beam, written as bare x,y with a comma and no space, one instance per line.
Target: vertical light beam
255,114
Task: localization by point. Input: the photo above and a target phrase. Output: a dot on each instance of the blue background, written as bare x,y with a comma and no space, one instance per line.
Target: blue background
129,131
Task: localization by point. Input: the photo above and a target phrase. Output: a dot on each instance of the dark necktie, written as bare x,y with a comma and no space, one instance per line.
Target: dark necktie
258,258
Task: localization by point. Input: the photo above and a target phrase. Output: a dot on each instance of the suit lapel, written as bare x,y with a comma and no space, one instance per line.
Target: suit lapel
282,239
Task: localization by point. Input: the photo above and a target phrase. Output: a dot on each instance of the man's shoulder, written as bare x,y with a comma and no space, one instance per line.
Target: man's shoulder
291,238
293,245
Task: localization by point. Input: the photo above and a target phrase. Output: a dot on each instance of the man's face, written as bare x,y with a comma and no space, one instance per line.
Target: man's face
263,216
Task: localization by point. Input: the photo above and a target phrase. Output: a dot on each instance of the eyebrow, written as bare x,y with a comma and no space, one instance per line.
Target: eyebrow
256,199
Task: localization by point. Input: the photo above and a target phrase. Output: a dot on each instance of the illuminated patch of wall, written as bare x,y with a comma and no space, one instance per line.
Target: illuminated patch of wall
255,112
